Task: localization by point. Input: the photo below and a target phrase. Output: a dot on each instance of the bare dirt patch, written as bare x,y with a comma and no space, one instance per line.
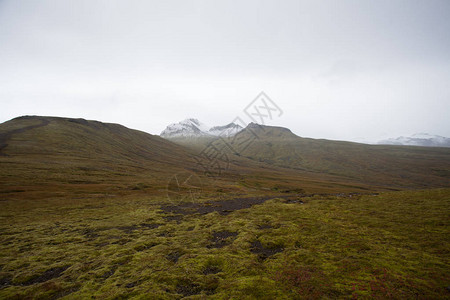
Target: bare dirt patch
223,207
264,252
222,238
211,270
47,275
188,289
174,256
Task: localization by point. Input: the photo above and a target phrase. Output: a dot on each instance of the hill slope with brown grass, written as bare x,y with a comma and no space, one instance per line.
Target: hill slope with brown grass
61,152
397,167
42,156
83,215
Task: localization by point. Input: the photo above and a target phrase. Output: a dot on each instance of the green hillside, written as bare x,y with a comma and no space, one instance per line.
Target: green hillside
63,153
388,166
84,213
322,247
43,156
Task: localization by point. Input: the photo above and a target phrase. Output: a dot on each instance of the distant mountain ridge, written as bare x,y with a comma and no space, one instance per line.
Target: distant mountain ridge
194,128
377,165
57,154
418,139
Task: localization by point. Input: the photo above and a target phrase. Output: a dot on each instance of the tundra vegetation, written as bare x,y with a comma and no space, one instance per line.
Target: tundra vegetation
88,217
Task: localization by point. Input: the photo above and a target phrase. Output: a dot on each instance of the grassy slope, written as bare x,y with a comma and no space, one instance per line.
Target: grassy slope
388,166
80,215
79,154
329,247
68,156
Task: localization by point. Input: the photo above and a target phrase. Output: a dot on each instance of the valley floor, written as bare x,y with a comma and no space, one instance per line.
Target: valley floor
391,245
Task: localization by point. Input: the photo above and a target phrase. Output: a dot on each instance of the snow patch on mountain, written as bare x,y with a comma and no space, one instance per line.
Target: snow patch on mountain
185,128
194,128
418,139
224,131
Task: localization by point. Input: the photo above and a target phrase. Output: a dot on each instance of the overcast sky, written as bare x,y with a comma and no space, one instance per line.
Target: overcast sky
350,70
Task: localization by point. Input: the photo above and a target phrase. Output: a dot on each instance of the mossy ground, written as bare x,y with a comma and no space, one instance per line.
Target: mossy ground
392,245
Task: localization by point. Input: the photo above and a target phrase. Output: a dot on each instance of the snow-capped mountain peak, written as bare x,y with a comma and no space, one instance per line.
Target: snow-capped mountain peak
185,128
196,123
226,130
419,139
194,128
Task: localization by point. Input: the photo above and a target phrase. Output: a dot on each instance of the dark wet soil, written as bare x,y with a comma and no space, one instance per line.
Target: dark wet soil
222,238
47,275
225,207
176,218
5,281
165,234
110,272
66,292
145,247
265,226
128,229
90,233
131,284
174,256
150,225
188,289
122,241
264,252
211,270
101,245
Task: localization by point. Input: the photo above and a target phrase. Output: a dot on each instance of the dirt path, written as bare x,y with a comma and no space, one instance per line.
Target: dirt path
4,137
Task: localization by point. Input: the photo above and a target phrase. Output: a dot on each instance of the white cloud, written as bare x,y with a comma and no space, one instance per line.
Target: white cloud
339,70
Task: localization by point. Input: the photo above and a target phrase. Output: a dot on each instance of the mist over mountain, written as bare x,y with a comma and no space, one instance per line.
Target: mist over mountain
122,177
418,139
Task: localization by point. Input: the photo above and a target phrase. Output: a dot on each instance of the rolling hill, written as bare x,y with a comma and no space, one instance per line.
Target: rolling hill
84,214
397,167
50,156
62,152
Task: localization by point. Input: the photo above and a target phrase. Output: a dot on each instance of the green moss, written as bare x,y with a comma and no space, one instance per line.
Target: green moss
391,245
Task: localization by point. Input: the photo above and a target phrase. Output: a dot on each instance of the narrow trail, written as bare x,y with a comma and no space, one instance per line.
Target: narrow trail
4,137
